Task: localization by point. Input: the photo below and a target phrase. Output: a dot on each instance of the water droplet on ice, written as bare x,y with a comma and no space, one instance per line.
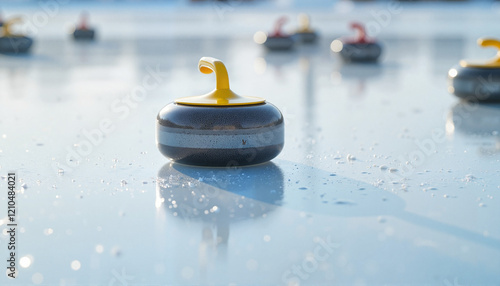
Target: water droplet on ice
469,178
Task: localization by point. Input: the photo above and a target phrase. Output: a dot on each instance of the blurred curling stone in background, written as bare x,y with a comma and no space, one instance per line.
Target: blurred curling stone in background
305,34
277,40
83,31
477,81
359,49
11,43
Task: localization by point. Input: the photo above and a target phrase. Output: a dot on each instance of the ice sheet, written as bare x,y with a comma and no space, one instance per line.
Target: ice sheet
385,179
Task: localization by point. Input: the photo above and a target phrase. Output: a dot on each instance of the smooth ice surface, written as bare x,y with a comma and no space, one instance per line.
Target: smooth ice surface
385,178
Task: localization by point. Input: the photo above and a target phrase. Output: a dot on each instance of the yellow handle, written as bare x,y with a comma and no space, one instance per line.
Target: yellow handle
491,43
221,95
304,23
208,65
7,24
494,63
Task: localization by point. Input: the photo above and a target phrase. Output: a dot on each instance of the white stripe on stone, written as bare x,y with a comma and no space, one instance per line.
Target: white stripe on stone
206,139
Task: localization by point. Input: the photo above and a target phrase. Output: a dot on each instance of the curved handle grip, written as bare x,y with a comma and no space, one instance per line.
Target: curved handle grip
7,24
84,18
491,43
221,95
361,32
304,22
277,27
208,65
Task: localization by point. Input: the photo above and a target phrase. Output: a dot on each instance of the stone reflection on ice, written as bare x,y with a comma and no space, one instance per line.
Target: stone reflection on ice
192,192
218,198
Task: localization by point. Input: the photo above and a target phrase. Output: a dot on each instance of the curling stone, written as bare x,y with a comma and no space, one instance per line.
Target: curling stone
219,128
360,49
278,40
13,43
305,34
476,81
83,32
